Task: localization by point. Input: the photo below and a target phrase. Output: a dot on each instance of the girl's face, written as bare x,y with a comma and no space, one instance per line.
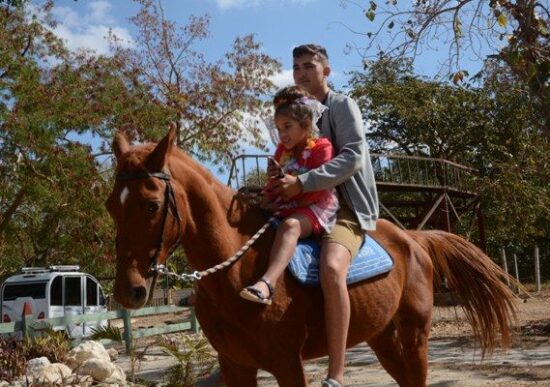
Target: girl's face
291,133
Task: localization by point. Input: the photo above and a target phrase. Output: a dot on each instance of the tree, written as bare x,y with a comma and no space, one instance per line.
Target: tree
485,128
419,117
520,28
210,102
51,187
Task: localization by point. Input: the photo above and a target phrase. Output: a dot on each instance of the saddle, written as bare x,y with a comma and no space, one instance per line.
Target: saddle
371,260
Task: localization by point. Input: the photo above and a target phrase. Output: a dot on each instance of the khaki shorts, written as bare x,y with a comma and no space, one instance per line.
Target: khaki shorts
347,231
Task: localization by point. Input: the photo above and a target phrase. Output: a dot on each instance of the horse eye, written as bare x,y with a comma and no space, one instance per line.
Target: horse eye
152,207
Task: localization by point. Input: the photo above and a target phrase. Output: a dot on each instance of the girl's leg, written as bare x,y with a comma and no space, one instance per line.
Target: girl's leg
291,229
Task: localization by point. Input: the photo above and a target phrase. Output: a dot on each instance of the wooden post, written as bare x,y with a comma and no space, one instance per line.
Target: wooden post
27,320
166,298
537,268
128,339
481,226
505,264
446,210
516,271
195,327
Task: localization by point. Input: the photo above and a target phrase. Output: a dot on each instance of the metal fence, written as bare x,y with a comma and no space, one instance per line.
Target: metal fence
389,169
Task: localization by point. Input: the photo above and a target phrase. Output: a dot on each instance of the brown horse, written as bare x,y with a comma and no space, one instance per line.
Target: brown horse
162,196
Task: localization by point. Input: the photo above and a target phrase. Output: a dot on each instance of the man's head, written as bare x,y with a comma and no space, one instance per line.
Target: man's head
311,69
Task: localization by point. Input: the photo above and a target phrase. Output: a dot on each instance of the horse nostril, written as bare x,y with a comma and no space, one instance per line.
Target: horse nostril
138,294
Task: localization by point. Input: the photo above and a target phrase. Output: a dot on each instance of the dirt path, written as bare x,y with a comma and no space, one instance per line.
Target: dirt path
453,357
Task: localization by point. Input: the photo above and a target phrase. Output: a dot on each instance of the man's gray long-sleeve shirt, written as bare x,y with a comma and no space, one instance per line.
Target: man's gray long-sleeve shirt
351,169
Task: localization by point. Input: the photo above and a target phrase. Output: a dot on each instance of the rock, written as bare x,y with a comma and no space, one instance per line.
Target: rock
90,361
101,370
118,375
35,366
51,374
85,351
113,354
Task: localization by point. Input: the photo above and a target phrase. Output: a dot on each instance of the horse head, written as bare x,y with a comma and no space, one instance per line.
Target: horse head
144,210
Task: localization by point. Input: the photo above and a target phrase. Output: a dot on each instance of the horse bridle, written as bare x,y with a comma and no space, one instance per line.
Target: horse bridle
169,203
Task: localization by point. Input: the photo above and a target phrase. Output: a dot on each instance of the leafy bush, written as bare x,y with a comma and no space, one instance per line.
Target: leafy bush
50,343
12,359
195,359
110,333
14,353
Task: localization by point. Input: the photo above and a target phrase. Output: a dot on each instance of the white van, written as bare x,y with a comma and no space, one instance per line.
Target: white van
54,291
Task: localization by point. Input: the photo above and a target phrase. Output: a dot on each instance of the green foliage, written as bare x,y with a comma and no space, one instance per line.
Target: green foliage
488,128
109,333
49,343
15,353
13,3
195,359
206,100
51,187
516,33
53,101
13,362
421,117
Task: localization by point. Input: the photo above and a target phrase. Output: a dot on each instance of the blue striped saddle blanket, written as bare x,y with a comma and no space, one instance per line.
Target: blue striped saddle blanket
371,260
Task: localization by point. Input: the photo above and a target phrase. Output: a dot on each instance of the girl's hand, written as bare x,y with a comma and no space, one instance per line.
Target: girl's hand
274,169
269,205
287,187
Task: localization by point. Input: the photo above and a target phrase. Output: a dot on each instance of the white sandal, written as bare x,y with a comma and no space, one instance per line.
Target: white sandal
329,382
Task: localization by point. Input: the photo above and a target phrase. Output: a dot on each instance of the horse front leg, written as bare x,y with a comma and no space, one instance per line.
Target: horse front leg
237,375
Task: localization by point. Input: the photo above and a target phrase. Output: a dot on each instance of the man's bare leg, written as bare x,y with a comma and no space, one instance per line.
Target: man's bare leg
335,261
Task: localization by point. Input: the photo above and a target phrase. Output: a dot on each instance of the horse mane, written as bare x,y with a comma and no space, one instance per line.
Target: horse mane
136,158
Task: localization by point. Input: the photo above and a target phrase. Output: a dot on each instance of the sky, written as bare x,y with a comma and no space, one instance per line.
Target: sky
279,25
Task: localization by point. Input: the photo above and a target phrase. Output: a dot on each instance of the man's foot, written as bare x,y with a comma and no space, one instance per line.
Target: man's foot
329,382
261,292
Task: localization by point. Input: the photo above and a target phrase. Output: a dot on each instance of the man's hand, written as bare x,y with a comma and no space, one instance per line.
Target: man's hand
287,187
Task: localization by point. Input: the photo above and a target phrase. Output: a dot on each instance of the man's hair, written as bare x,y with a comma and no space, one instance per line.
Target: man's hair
313,49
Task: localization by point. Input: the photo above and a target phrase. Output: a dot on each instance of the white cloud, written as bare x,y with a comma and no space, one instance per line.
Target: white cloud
99,11
283,79
226,4
88,28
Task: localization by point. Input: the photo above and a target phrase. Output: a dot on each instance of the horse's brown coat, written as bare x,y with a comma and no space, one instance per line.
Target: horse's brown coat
391,312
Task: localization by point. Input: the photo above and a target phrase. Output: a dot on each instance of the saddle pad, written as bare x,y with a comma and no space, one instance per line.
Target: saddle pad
371,260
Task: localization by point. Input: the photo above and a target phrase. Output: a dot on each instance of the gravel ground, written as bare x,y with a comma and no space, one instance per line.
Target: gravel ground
453,359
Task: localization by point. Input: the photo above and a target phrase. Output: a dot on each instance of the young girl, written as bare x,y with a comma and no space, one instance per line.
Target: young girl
299,150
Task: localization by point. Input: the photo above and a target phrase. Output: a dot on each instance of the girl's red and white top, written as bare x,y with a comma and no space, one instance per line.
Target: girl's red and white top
319,206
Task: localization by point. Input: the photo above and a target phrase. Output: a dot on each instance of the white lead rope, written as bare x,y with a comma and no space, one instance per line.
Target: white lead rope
197,275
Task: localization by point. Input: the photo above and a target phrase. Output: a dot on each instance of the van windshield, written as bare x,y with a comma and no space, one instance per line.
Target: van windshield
34,290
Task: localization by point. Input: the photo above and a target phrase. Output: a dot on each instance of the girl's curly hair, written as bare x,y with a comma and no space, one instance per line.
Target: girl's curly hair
287,102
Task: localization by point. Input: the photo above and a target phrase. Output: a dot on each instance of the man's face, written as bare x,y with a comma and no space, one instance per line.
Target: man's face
309,73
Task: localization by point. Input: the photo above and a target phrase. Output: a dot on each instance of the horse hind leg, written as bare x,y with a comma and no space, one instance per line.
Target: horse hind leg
413,321
236,375
413,333
389,351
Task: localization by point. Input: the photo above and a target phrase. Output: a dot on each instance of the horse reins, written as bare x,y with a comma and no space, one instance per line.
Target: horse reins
170,200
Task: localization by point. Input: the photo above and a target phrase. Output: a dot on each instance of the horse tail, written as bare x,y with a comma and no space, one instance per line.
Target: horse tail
488,303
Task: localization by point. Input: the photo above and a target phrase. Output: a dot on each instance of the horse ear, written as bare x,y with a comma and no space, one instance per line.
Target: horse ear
157,158
120,144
